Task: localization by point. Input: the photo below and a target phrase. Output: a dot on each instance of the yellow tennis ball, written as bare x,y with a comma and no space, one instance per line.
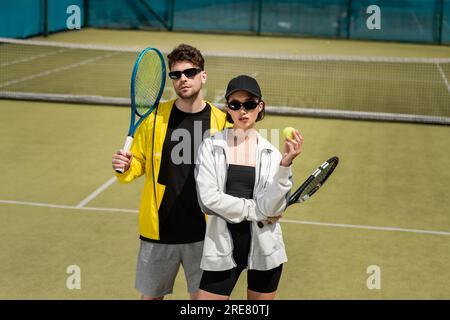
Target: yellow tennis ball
288,132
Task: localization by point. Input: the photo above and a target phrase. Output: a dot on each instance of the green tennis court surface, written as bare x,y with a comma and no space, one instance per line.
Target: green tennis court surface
386,205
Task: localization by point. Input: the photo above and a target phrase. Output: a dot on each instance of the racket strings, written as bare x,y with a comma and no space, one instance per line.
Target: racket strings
317,182
149,79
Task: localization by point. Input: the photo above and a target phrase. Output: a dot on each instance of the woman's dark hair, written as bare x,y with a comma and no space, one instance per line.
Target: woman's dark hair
185,52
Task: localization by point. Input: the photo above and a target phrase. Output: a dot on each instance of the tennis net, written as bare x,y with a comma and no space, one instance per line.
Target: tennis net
356,87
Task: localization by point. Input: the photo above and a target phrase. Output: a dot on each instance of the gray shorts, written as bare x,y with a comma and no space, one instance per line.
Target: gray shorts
158,264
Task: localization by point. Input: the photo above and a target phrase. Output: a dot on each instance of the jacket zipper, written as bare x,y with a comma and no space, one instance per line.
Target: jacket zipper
223,190
269,164
250,254
259,159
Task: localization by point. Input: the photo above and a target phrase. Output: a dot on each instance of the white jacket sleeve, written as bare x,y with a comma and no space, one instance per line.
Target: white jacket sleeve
214,201
272,201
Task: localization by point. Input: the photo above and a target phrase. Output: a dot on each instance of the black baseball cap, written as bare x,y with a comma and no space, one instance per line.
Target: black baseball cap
243,83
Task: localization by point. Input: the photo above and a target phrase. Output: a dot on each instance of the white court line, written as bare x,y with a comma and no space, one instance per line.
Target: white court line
325,224
38,56
48,72
96,192
444,77
60,206
355,226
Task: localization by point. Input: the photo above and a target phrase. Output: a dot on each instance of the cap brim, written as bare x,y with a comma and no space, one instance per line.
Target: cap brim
246,90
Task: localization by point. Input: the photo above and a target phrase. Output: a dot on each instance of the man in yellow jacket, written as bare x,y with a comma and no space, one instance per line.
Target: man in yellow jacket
171,223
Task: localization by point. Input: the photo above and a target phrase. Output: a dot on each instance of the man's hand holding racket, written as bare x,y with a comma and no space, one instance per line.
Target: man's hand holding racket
146,88
121,160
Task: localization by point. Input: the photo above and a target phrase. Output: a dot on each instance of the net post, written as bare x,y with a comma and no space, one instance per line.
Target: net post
45,20
349,17
171,13
258,30
86,12
441,21
153,13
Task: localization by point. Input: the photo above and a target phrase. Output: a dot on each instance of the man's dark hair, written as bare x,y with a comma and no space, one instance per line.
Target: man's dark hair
185,52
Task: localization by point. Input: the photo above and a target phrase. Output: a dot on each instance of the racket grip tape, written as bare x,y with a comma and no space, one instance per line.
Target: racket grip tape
126,148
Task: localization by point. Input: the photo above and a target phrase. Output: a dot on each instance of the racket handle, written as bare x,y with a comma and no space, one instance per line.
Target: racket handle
126,148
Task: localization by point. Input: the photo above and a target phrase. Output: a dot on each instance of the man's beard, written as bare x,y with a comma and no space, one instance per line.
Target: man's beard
191,95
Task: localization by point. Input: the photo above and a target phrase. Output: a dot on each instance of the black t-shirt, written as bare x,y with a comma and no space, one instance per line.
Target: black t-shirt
180,217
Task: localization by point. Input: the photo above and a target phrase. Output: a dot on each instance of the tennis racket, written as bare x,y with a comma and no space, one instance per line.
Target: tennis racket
312,184
147,85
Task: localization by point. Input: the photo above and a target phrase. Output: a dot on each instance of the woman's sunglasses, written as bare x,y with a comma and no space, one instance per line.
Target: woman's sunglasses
189,73
248,105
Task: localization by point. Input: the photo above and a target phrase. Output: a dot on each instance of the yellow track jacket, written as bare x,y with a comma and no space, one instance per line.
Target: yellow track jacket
142,163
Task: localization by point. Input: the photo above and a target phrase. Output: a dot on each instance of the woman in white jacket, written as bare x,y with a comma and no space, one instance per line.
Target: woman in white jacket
242,179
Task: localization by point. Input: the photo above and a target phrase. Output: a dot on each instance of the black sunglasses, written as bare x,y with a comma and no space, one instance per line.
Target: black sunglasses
248,105
189,73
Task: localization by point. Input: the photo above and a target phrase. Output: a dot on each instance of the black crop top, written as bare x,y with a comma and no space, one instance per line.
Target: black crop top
240,181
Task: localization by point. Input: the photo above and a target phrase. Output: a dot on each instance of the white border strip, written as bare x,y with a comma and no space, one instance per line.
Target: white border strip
276,110
237,54
325,224
71,45
66,98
